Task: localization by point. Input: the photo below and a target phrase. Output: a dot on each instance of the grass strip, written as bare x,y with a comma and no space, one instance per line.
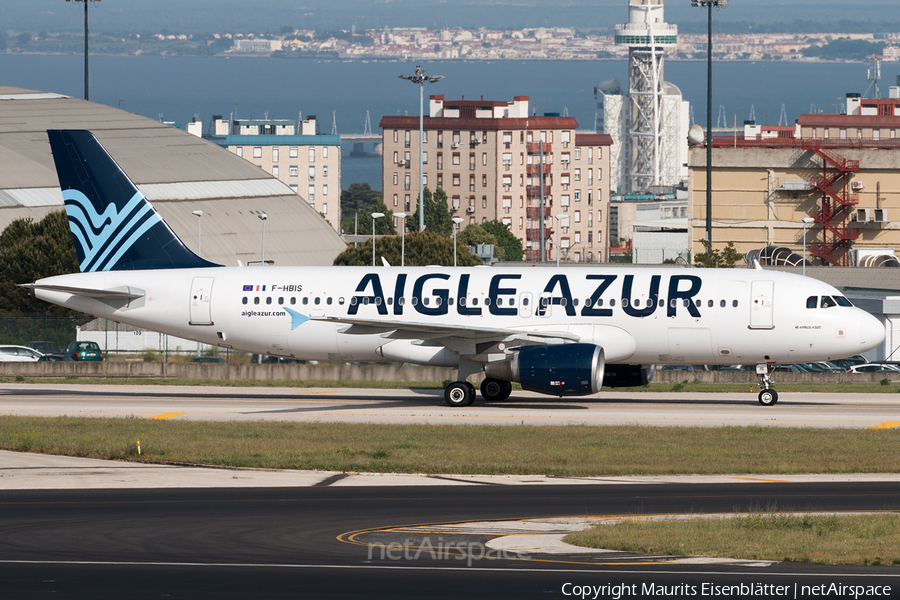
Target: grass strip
811,538
565,451
686,387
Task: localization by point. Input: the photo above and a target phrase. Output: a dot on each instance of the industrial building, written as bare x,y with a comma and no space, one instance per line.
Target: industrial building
496,162
309,162
180,173
840,170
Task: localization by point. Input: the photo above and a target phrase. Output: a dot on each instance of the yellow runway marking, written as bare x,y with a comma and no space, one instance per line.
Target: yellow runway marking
766,480
888,425
165,416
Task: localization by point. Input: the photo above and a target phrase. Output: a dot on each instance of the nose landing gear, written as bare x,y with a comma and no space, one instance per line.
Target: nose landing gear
767,396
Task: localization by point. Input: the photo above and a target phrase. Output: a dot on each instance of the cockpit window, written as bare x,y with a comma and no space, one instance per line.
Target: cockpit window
812,302
828,302
842,301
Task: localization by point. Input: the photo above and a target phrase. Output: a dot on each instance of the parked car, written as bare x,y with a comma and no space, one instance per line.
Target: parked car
873,368
846,363
678,368
822,366
19,354
56,358
43,347
207,359
84,351
790,369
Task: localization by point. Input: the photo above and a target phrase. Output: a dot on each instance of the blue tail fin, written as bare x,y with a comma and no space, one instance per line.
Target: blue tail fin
114,227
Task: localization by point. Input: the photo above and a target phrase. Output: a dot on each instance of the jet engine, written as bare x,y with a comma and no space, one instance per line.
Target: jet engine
628,375
564,370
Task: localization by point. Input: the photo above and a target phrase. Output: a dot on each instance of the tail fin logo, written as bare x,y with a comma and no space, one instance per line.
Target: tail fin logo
105,237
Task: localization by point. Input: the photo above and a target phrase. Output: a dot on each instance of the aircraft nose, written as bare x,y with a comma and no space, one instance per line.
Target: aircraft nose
871,332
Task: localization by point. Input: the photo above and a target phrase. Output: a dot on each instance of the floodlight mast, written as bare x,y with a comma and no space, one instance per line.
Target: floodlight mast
86,79
708,4
419,78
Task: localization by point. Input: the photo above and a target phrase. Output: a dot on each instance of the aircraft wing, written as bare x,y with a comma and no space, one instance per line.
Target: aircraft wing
125,292
468,341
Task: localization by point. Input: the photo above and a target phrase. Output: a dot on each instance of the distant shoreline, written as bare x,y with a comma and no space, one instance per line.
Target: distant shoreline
356,58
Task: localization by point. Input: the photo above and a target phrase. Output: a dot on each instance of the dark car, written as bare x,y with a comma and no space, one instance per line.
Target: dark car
84,351
43,347
56,358
207,359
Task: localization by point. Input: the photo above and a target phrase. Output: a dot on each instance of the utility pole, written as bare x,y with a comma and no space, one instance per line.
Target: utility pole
86,37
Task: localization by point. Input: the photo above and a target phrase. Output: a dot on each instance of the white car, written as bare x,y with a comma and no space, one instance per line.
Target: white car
18,354
873,368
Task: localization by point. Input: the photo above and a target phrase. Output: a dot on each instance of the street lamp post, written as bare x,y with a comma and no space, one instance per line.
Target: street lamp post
709,52
806,221
402,217
199,215
375,215
558,219
420,77
263,217
456,222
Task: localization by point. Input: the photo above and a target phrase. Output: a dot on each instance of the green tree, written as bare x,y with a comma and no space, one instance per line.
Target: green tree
437,214
511,245
360,199
29,251
715,259
422,249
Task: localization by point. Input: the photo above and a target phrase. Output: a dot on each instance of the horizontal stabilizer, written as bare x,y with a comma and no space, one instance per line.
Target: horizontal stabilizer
127,292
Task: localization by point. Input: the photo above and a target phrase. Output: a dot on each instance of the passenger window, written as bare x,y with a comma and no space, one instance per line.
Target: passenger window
698,303
462,301
341,300
474,301
575,302
256,300
269,300
306,301
722,303
450,300
612,302
390,301
673,303
499,301
625,302
352,301
487,301
402,301
812,301
377,301
317,300
426,301
562,301
734,303
280,300
662,302
524,301
293,300
244,300
828,302
687,302
328,301
710,303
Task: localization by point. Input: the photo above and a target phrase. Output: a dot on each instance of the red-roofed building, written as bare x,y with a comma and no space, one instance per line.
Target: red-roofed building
486,155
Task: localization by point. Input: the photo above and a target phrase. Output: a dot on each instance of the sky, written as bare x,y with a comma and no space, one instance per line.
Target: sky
200,16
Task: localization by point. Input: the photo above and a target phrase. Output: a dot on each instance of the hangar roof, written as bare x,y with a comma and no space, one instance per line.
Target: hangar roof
180,173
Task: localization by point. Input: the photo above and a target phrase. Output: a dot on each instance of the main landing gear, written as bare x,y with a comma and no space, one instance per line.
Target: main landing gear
495,390
459,394
767,396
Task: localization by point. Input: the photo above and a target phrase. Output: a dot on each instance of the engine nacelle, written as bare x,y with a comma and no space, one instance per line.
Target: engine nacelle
564,370
628,375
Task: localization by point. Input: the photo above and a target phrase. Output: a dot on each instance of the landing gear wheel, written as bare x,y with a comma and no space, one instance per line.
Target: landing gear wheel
768,397
495,390
459,394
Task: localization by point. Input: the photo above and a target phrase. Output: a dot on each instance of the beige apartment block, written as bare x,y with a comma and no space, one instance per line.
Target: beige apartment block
494,161
308,162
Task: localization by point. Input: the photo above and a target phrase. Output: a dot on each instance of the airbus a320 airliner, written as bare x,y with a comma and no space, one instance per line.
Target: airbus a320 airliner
563,332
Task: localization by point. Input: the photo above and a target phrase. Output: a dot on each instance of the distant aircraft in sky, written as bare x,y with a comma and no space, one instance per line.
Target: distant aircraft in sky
562,332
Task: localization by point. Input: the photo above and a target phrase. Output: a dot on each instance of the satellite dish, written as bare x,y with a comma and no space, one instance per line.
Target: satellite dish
695,135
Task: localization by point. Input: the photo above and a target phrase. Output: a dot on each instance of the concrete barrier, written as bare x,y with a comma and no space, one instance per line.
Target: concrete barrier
353,372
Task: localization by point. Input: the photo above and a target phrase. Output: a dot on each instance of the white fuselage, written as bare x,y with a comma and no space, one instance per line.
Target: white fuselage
698,316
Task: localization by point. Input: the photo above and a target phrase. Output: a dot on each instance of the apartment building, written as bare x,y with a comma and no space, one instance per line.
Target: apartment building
495,162
308,162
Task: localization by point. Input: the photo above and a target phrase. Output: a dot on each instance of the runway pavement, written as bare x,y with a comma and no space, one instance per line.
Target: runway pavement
427,406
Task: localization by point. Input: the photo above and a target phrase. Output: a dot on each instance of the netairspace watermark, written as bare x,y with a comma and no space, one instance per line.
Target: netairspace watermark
743,590
460,551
